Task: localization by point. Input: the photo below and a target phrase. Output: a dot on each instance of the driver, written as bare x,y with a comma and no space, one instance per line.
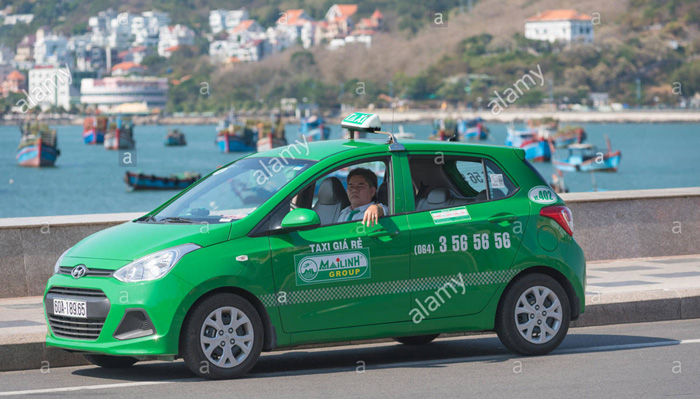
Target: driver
362,188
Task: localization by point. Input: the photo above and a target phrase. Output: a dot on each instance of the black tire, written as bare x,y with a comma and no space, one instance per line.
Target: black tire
417,339
191,344
111,362
507,329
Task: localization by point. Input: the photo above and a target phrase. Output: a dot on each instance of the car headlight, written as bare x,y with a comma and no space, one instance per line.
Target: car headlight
57,266
153,266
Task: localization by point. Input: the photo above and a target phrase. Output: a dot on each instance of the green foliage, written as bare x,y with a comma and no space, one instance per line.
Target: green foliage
689,77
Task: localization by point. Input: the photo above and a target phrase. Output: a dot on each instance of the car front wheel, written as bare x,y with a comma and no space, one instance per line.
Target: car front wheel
533,316
223,337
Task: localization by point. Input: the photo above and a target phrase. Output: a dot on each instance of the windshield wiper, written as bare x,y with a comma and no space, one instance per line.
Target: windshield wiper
175,220
147,218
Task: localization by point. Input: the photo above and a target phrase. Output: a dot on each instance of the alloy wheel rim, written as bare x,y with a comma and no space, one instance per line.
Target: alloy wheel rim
227,337
538,315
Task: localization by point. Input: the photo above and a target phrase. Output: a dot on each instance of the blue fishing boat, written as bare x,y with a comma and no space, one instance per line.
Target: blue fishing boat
587,158
234,135
536,148
38,146
472,129
140,181
120,134
175,138
314,128
94,129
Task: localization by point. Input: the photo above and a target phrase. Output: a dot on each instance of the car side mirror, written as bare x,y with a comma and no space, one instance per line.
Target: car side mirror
301,219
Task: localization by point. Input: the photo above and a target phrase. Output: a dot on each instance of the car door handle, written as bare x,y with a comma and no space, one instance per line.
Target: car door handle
502,218
382,233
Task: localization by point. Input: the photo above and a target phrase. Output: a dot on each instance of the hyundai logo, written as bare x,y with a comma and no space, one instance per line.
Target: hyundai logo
79,271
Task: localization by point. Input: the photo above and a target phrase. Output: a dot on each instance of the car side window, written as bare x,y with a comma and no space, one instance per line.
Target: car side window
452,181
327,195
500,185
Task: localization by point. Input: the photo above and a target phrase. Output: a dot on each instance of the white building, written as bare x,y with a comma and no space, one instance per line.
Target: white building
119,90
292,26
18,18
246,31
49,86
50,49
172,37
563,25
221,20
228,50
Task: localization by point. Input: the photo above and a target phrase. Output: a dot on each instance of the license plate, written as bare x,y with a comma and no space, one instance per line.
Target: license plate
67,307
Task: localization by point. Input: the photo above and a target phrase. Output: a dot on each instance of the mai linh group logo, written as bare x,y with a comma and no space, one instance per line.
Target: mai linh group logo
332,266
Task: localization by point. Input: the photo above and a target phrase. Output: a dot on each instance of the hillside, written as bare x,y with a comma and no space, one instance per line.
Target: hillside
475,54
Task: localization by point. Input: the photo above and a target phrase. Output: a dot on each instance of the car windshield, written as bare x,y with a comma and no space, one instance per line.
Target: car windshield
233,192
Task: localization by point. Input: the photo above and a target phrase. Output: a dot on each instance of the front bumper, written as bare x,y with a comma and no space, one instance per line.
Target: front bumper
108,302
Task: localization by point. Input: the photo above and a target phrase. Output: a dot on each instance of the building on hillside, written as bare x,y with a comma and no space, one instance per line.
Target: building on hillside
292,27
373,23
225,20
337,24
223,51
563,25
127,68
51,49
172,37
246,31
18,18
50,86
135,54
15,82
110,91
25,49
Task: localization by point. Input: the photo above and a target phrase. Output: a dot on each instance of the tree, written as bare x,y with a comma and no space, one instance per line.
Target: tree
689,78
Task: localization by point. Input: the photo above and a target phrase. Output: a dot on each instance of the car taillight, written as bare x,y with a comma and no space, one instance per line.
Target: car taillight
561,215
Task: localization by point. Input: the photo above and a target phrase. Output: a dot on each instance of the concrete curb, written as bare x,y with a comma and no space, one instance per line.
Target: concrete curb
604,309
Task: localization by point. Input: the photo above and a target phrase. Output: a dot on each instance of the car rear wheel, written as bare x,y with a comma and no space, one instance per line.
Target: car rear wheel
533,316
222,337
417,339
111,362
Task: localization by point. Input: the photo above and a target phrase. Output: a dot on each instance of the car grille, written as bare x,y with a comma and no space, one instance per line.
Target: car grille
90,272
73,327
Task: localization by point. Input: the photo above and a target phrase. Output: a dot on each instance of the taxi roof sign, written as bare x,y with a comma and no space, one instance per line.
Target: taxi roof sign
361,122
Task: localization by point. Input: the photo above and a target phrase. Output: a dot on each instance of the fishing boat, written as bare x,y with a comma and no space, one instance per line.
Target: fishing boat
445,130
38,146
269,142
235,136
175,138
562,137
94,129
472,129
587,158
120,135
140,181
314,128
271,134
536,148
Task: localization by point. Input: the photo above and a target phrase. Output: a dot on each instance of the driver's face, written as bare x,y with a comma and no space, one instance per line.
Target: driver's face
359,191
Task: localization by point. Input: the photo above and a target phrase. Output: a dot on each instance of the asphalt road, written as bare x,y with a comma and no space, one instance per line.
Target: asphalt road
647,360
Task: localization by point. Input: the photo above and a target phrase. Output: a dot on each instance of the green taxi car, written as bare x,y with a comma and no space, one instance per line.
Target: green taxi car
256,256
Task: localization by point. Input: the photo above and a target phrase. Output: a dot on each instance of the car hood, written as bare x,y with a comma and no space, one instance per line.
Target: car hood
133,240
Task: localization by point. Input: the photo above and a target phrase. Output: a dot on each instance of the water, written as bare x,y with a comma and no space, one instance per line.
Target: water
89,179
